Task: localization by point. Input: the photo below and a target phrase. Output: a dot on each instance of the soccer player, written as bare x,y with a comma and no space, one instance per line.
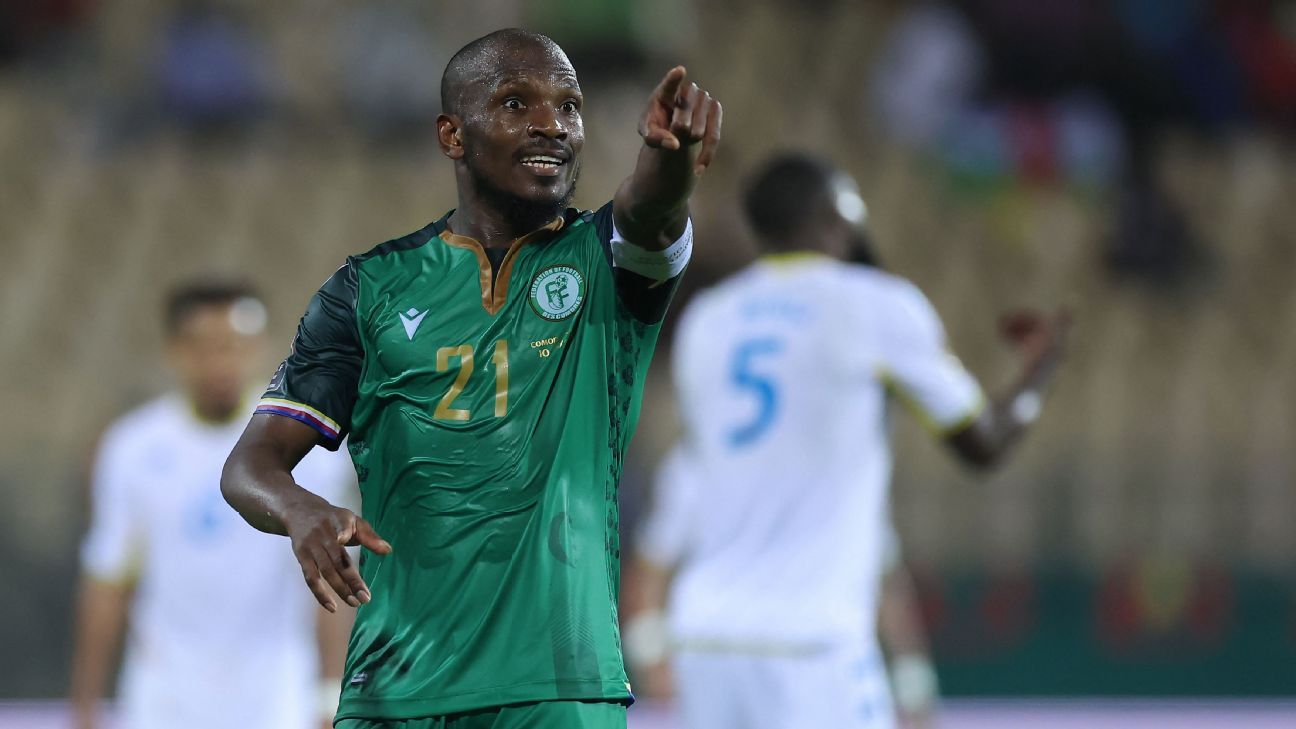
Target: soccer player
664,539
217,635
488,369
782,374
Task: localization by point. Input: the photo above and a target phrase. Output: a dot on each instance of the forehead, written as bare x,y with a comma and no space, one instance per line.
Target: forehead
531,63
243,318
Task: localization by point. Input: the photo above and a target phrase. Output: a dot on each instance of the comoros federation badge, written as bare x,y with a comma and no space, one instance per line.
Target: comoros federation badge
557,292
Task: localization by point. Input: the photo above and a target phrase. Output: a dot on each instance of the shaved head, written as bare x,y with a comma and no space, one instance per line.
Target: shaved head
476,65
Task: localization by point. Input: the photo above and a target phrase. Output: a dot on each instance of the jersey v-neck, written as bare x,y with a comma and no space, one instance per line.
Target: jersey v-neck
494,275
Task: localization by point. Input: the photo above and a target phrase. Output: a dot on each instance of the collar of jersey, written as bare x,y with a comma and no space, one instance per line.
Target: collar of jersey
495,287
794,258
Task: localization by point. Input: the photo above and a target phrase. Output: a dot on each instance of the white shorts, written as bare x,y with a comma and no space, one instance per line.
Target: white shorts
843,687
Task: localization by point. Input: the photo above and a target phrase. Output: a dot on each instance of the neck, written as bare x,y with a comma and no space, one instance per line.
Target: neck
496,220
491,228
214,413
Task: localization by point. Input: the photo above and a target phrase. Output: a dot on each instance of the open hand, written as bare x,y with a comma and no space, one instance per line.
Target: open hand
679,115
319,531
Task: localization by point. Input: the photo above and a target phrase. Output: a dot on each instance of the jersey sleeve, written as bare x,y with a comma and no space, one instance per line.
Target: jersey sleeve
113,548
318,382
663,536
918,367
646,297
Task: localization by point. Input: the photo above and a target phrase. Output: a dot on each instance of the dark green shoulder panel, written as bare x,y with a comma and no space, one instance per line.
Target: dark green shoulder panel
406,242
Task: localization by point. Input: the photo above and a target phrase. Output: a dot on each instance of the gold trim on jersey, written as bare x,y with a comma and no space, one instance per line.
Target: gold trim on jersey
793,257
495,289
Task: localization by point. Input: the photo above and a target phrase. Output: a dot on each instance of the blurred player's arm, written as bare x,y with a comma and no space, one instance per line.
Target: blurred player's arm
100,623
333,630
1041,344
904,640
662,542
308,403
681,131
919,369
331,633
110,555
644,635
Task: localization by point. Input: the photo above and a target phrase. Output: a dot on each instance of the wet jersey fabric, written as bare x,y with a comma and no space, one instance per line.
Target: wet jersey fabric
488,405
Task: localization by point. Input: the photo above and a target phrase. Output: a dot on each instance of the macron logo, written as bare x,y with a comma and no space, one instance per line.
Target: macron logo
411,319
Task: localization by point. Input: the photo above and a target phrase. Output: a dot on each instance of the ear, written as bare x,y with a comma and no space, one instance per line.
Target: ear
450,135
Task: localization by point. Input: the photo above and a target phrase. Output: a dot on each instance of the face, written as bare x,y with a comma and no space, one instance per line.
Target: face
216,353
520,131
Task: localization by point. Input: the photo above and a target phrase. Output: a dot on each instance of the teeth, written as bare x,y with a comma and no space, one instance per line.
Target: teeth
540,160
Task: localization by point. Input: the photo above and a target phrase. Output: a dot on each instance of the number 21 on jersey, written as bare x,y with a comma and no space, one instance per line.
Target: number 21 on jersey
445,409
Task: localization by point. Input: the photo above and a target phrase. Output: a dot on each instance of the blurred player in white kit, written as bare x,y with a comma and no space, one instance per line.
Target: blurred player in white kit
768,568
219,635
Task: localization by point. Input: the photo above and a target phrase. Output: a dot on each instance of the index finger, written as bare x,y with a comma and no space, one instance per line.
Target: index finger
668,89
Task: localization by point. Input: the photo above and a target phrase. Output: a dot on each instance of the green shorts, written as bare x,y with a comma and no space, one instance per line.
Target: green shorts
540,715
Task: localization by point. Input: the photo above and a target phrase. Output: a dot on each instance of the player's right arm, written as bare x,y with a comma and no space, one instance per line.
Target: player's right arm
110,555
257,481
308,403
100,622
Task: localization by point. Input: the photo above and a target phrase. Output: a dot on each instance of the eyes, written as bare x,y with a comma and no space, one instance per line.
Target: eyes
570,106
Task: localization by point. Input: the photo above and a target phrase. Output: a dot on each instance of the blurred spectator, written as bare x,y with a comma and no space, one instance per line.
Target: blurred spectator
27,24
1076,93
598,35
389,70
926,74
212,73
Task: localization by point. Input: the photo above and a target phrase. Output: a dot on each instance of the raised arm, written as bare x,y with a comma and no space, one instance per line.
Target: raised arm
991,435
681,131
257,481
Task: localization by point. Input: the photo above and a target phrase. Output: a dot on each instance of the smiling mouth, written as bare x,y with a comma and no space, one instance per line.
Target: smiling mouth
543,162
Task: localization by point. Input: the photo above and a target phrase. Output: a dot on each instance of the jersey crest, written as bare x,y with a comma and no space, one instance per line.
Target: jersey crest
557,292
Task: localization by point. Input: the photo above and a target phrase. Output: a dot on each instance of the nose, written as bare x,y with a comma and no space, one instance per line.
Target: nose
546,122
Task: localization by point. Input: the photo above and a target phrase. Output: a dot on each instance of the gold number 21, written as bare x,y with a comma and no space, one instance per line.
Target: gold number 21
465,354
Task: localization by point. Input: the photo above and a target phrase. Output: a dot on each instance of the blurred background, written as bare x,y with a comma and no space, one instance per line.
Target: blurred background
1136,158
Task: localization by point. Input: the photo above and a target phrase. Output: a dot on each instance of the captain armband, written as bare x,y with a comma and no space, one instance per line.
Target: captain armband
660,265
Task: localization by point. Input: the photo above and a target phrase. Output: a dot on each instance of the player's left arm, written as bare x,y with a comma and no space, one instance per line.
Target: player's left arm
331,633
646,228
904,641
1041,343
661,544
681,131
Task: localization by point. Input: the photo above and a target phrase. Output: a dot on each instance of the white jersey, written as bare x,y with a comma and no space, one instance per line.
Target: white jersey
775,512
222,629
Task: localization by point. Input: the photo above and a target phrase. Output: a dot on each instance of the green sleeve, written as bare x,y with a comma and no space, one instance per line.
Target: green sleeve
318,382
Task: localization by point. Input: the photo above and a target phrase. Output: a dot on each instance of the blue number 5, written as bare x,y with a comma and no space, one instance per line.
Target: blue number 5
758,386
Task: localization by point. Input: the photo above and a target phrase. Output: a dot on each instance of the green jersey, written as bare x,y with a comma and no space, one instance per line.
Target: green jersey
488,401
